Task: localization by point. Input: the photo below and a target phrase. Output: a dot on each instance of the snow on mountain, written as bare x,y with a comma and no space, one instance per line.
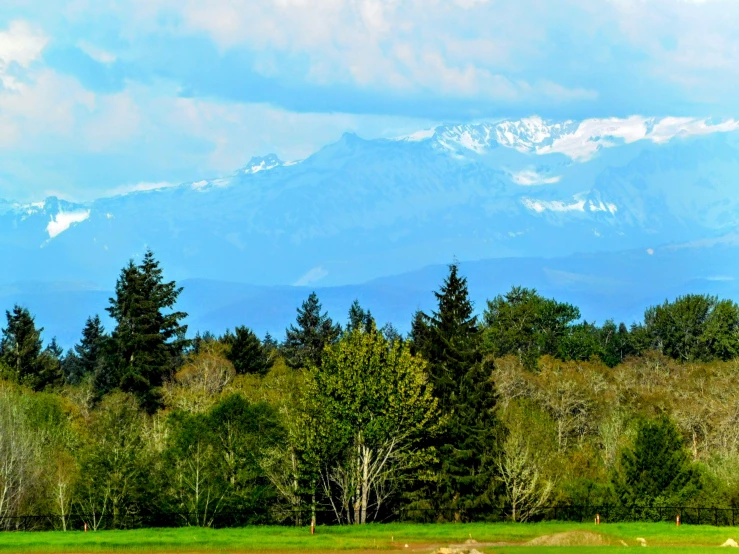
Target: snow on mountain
579,141
265,163
359,209
255,165
64,220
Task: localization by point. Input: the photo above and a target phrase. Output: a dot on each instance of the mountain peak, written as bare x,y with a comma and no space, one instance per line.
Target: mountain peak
262,163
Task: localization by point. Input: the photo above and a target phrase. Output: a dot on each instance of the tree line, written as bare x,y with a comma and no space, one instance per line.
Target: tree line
466,417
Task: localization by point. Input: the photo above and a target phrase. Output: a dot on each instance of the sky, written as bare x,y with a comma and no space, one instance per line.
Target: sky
99,97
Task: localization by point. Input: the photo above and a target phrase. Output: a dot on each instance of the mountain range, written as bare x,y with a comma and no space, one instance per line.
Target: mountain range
608,213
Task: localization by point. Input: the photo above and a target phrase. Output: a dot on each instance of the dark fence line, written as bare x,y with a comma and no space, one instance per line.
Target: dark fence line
689,515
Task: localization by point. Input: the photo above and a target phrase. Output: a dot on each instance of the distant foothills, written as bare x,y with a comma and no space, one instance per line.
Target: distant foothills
608,214
462,418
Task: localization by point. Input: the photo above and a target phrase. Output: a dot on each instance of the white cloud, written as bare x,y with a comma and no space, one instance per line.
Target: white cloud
404,45
19,44
139,187
64,220
97,54
593,134
311,277
114,119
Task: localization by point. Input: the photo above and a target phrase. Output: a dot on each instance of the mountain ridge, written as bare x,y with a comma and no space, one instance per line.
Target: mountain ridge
358,209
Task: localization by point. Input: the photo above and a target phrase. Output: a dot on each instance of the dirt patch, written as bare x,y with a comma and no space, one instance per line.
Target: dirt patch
571,538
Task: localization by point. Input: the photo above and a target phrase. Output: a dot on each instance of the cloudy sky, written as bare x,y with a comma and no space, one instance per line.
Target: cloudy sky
99,96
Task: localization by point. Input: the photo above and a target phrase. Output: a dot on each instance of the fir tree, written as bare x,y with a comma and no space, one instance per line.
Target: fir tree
420,333
304,344
657,467
450,341
197,343
269,343
21,351
359,318
84,359
148,338
50,373
247,353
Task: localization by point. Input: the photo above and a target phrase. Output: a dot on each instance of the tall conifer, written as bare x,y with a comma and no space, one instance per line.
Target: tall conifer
148,338
247,353
21,348
83,359
304,343
451,342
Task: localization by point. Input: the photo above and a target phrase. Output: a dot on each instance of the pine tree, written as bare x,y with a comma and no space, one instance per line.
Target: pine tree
359,318
450,341
269,343
657,467
21,348
83,360
247,354
420,333
148,338
304,344
50,372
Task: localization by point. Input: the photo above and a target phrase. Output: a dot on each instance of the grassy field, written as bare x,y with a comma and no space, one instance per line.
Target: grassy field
491,539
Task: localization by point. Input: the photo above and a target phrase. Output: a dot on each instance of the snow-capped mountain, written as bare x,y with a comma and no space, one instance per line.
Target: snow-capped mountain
360,209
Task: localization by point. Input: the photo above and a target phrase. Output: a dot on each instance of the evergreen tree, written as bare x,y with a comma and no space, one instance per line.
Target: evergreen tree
451,342
200,340
419,336
51,359
304,343
21,348
148,339
269,343
657,467
247,353
83,360
391,334
359,318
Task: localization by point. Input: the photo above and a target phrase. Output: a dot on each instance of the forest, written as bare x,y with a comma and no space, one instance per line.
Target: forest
480,413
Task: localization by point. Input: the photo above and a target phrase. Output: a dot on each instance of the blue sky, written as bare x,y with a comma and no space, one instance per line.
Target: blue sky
103,96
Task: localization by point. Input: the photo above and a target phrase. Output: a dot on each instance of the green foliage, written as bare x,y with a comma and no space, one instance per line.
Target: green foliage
460,419
523,323
370,407
359,318
83,360
214,460
148,339
114,464
657,467
21,351
451,342
586,341
694,327
247,354
304,343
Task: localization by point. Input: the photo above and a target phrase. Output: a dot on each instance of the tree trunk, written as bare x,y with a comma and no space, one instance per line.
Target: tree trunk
367,454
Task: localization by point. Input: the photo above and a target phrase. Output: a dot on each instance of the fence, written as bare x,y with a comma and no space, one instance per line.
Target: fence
689,515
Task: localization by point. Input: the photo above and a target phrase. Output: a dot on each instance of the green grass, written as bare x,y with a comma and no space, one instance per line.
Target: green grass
661,537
